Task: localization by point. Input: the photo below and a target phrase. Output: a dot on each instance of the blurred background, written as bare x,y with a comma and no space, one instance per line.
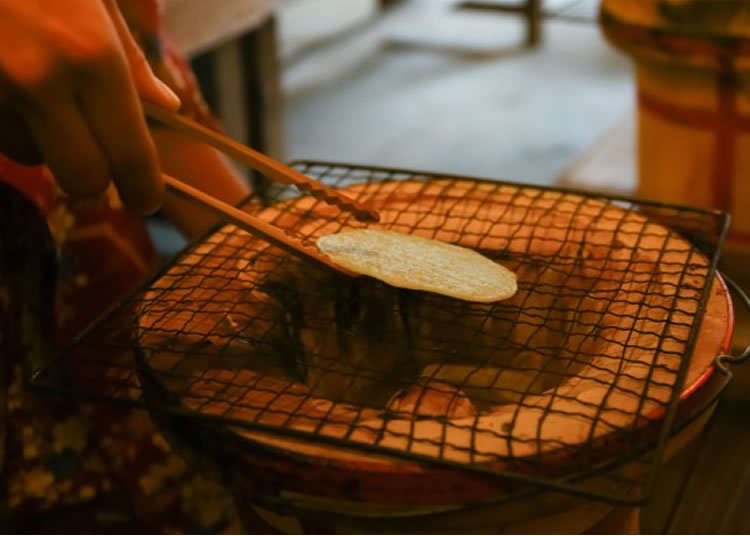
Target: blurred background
426,84
520,90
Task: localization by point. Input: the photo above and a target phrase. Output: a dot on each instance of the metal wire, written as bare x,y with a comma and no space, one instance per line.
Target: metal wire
576,374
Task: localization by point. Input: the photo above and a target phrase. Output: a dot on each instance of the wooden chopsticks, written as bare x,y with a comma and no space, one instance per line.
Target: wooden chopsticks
266,165
254,225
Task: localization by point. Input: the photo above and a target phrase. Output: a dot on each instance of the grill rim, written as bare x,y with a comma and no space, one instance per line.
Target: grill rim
669,412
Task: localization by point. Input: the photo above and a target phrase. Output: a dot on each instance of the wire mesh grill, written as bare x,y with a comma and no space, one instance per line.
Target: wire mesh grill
577,373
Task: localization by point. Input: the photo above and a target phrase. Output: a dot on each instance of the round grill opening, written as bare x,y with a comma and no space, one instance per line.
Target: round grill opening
590,346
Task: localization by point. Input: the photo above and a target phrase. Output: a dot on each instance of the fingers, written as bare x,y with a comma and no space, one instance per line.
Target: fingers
111,105
70,150
148,85
74,86
113,111
88,139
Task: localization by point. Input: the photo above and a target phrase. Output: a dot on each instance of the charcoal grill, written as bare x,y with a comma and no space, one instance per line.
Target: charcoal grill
349,396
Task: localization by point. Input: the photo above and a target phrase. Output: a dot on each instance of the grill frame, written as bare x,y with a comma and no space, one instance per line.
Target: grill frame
54,378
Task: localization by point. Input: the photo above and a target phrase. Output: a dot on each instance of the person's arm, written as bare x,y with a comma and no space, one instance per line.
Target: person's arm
203,167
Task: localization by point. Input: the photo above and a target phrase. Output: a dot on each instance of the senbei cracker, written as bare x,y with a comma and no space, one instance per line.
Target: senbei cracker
414,262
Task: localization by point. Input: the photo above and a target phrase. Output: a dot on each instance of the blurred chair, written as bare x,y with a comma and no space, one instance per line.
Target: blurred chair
533,12
530,10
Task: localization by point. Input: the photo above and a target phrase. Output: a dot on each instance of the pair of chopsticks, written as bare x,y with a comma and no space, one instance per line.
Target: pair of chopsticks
267,166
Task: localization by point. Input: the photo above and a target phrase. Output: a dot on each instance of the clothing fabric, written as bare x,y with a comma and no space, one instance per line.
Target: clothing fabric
82,467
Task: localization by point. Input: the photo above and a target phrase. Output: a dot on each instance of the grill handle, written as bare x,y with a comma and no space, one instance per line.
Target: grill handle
724,361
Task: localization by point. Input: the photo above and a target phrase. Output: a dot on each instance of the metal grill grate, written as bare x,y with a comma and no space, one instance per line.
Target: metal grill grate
577,373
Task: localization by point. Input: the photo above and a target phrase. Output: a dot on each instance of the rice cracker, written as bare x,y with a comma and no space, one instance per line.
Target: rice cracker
417,263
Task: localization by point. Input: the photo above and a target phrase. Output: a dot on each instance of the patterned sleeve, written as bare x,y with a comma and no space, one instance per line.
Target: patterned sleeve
79,467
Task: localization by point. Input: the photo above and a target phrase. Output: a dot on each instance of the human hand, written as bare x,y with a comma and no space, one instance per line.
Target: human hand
71,76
